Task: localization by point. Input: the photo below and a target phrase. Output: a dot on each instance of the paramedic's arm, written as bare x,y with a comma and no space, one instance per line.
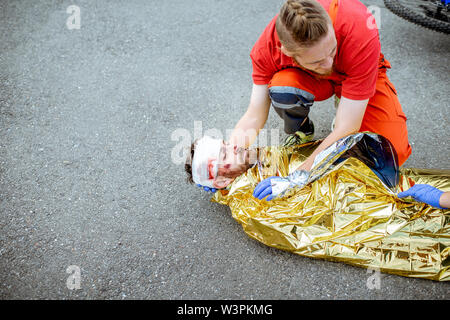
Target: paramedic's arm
349,117
254,119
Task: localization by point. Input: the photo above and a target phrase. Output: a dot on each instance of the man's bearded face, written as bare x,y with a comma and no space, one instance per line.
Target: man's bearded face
233,161
318,59
217,163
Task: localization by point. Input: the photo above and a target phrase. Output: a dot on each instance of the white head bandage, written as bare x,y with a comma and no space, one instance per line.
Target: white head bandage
206,161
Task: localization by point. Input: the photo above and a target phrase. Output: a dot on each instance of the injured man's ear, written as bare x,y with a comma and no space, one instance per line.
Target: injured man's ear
216,163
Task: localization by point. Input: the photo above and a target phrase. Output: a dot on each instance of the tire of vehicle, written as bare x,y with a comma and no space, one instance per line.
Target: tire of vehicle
397,8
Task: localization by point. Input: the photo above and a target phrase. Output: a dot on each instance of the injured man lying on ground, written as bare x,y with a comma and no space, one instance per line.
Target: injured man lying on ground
345,209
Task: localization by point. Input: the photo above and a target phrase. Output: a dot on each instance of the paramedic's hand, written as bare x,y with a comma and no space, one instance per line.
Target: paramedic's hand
207,188
264,189
424,193
307,164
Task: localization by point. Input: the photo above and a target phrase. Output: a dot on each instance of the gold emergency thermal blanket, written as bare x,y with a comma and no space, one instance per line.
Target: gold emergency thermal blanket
347,215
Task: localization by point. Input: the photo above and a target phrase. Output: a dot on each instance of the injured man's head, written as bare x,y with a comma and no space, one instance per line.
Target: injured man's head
215,163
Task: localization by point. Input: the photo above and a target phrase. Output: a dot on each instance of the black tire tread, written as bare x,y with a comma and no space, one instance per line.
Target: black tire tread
397,8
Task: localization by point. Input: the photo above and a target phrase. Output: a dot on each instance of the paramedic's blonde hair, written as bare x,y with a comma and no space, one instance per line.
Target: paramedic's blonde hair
301,24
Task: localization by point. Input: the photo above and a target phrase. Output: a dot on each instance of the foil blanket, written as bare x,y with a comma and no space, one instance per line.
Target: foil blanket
345,214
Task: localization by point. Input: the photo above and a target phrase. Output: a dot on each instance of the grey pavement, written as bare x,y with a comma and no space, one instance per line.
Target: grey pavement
87,119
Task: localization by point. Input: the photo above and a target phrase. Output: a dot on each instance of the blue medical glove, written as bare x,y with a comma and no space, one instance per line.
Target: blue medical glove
276,187
424,193
207,188
264,189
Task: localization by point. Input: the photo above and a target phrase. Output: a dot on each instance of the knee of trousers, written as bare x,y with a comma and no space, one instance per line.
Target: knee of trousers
292,105
286,97
290,102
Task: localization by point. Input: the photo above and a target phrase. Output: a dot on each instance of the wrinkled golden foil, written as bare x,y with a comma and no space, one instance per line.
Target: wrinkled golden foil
348,215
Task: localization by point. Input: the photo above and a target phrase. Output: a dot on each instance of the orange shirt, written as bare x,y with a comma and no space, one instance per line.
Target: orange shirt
356,60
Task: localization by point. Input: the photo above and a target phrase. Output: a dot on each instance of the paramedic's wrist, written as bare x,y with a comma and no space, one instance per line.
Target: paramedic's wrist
298,178
306,165
444,200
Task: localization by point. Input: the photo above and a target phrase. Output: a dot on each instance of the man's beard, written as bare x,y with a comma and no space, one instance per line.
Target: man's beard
250,156
247,158
236,172
316,74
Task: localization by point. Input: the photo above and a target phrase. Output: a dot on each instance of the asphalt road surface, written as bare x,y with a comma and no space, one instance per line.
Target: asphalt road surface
88,125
